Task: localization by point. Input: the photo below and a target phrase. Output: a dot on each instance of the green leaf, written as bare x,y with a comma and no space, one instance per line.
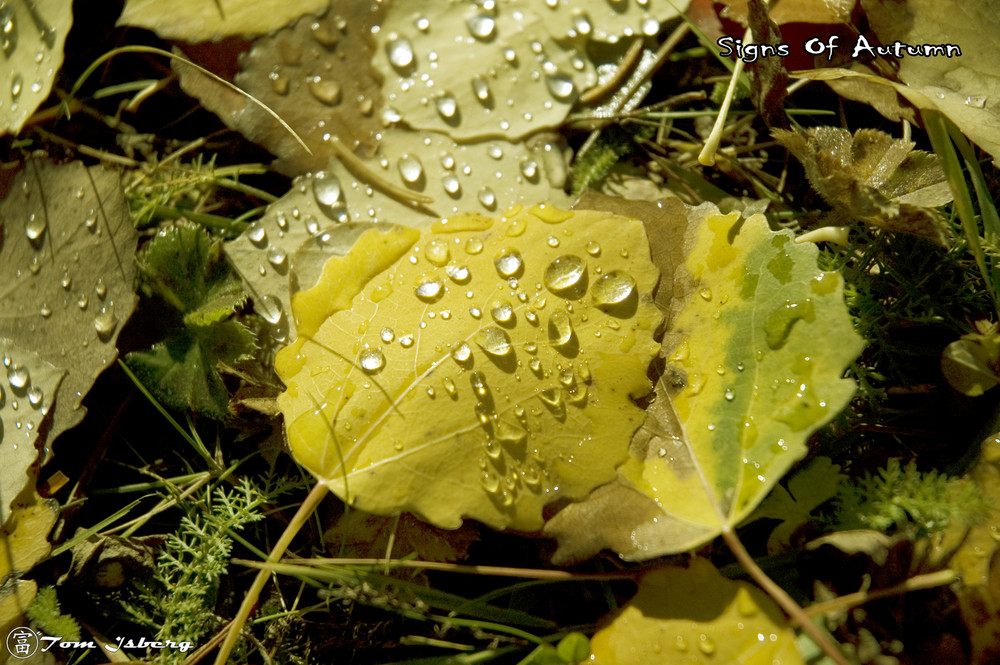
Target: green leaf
756,355
807,490
183,265
32,35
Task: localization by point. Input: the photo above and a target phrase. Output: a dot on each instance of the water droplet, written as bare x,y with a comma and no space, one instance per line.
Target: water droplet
387,335
90,221
473,246
406,341
614,288
45,311
490,481
529,168
15,86
705,293
510,433
560,328
560,86
371,360
257,234
100,288
976,101
35,228
508,262
502,312
327,91
552,397
105,322
459,274
449,386
649,26
276,256
706,644
494,341
481,26
481,88
475,312
17,376
487,198
478,382
681,644
581,22
410,168
82,301
437,252
566,276
270,308
494,151
730,394
462,352
431,392
451,184
447,106
35,396
400,52
430,289
329,197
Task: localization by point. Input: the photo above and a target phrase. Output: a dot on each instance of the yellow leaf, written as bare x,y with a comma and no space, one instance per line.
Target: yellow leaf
694,615
197,21
23,543
482,368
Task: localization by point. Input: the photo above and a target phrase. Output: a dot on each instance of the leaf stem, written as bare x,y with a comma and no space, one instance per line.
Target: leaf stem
780,596
312,501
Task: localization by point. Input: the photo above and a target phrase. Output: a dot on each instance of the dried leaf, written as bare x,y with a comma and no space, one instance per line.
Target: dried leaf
694,615
361,535
872,177
32,35
756,356
481,369
67,269
768,77
794,11
197,21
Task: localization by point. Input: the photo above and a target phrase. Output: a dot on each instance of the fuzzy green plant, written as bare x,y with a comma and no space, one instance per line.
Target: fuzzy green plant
44,611
595,162
903,498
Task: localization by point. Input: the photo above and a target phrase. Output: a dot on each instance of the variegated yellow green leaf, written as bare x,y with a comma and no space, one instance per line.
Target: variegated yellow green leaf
756,357
481,368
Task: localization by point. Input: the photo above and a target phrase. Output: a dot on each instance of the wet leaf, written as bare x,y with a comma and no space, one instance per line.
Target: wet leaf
23,543
66,265
694,615
183,265
872,177
482,368
756,354
196,21
32,35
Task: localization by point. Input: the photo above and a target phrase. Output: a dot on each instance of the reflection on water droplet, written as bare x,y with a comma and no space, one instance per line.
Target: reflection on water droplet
487,198
494,341
100,288
35,396
329,198
459,274
581,22
706,644
451,184
35,227
387,335
406,341
327,91
447,106
400,52
277,256
565,274
437,252
462,352
17,376
473,246
371,360
16,84
481,88
976,101
257,234
410,168
613,288
560,86
478,382
449,386
560,328
494,151
430,289
508,262
649,26
481,26
730,394
705,293
105,322
502,312
270,308
593,248
45,311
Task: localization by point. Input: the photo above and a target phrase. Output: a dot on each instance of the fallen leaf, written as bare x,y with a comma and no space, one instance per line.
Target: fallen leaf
794,11
696,616
196,21
768,78
970,364
184,267
756,355
32,35
23,543
872,177
483,368
361,535
66,260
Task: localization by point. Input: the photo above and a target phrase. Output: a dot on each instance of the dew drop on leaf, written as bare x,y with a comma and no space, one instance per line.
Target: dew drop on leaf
614,288
105,322
257,234
437,252
560,328
494,341
430,290
502,312
277,257
462,352
400,52
17,376
481,26
508,262
35,396
447,106
560,85
459,274
593,248
478,382
410,168
451,184
35,227
371,360
473,246
487,197
565,275
481,88
329,198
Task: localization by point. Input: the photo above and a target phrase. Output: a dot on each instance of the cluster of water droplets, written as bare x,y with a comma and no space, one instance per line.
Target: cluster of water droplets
39,37
22,400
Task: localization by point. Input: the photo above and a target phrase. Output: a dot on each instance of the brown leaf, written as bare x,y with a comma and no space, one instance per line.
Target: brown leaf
872,177
794,11
768,78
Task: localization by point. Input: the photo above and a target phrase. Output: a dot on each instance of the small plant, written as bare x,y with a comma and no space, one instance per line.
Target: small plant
46,614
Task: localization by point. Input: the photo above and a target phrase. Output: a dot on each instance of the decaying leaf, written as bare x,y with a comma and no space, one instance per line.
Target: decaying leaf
184,267
23,543
483,368
794,11
66,261
872,177
756,356
32,35
695,615
971,363
362,535
197,21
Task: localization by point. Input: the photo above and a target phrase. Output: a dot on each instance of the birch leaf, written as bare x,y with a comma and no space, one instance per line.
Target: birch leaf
481,368
197,21
755,360
696,616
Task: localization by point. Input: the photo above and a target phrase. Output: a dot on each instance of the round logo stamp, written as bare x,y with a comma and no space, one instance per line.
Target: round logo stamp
22,642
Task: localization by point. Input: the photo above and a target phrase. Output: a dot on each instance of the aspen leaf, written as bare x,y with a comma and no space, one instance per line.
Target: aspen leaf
197,21
482,368
693,616
755,360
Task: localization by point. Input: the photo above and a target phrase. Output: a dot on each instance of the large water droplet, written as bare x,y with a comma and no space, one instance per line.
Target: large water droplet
566,276
529,168
447,106
430,289
478,382
581,22
329,196
277,256
451,184
510,433
473,245
502,312
327,91
459,274
614,288
400,52
387,335
487,198
270,308
410,168
371,360
494,341
437,252
560,328
560,86
35,396
17,376
481,26
508,263
481,88
257,234
105,322
462,353
35,228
